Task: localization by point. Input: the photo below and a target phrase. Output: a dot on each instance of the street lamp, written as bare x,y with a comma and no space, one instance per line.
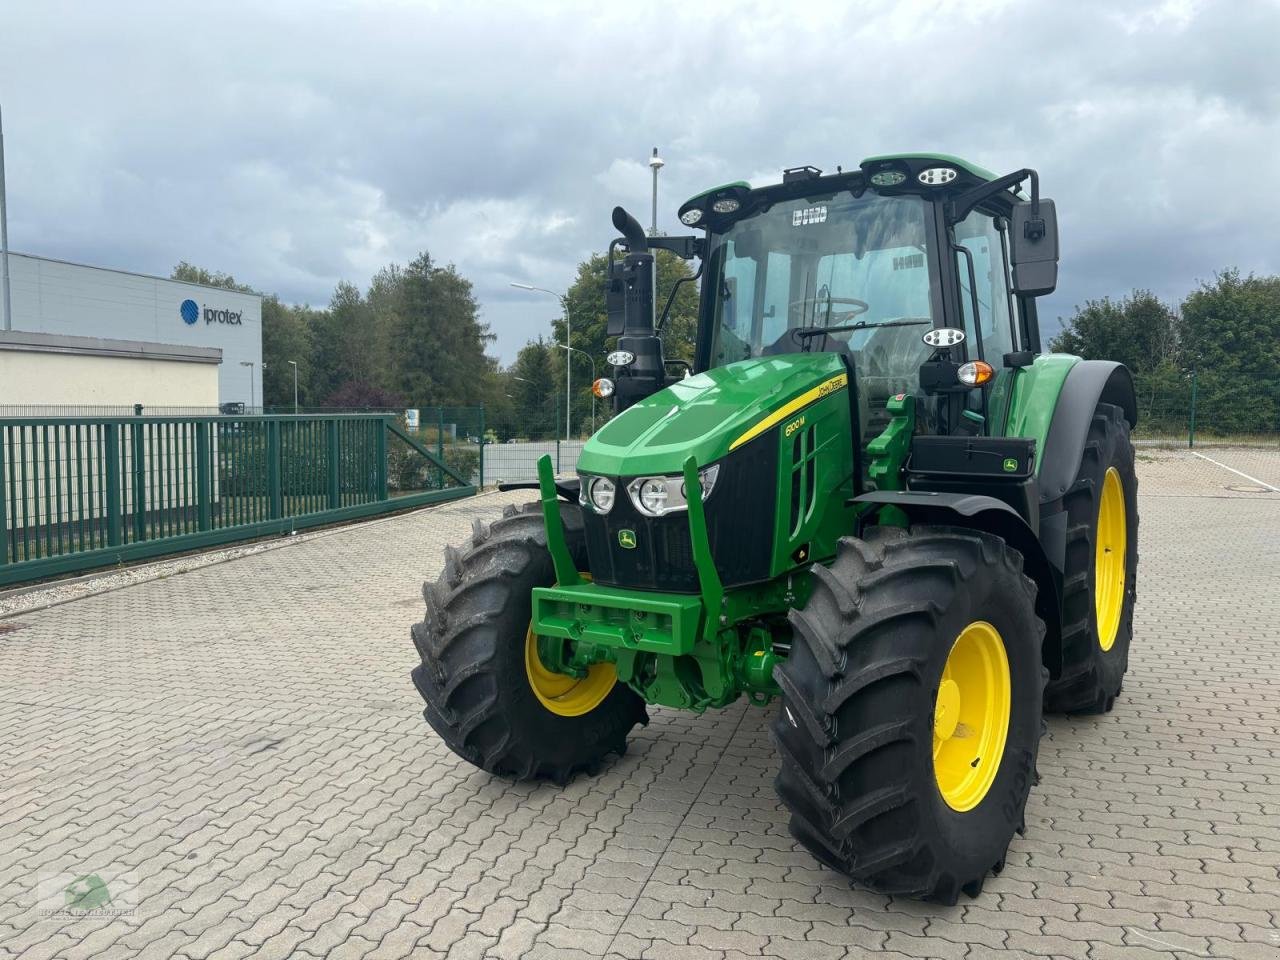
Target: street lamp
656,163
568,336
591,360
249,364
294,364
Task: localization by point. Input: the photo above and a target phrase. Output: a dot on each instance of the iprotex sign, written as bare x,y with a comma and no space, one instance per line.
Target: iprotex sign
190,312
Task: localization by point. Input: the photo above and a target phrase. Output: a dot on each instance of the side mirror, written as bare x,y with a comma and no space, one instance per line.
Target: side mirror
1033,248
615,300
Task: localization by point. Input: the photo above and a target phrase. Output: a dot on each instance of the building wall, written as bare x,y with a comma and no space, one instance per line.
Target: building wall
50,296
28,378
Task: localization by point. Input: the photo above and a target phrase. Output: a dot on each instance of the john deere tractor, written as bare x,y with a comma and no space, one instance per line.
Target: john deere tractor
871,498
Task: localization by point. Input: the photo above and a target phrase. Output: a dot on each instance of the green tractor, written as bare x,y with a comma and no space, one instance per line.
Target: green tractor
871,498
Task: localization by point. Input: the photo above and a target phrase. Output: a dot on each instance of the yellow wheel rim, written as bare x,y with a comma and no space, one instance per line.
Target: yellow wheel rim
560,693
1108,567
971,716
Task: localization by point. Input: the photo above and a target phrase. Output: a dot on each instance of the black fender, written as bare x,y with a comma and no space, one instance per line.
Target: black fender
990,515
1088,383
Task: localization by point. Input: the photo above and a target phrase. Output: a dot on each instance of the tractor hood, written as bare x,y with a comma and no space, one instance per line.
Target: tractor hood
707,415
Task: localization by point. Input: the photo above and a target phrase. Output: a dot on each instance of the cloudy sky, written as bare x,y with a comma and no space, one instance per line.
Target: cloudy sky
299,144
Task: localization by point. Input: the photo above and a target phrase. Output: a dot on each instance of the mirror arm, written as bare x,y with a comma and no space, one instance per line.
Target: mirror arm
962,205
671,297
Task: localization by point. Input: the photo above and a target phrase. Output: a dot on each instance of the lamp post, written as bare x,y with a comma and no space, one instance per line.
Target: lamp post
249,364
656,163
294,364
591,360
568,336
4,240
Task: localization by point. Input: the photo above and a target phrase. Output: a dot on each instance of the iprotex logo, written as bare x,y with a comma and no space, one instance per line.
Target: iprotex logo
190,311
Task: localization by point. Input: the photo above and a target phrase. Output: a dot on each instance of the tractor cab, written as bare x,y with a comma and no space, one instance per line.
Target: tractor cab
862,264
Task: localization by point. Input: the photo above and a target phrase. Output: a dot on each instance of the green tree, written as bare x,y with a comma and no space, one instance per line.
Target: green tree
439,338
343,354
286,335
1140,331
533,390
189,273
1231,336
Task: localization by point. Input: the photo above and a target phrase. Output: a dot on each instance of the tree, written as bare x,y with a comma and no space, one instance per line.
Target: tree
1231,328
533,389
342,351
286,335
1140,331
440,339
189,273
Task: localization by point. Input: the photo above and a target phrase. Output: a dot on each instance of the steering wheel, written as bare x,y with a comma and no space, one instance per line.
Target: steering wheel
836,316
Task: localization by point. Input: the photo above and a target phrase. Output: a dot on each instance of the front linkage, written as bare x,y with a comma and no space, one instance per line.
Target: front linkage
678,650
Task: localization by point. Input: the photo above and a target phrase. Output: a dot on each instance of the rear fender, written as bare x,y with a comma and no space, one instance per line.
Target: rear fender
993,516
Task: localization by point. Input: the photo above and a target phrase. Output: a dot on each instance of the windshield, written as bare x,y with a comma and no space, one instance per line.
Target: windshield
827,263
817,264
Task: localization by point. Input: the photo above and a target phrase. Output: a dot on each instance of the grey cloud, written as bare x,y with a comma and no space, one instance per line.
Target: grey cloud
295,145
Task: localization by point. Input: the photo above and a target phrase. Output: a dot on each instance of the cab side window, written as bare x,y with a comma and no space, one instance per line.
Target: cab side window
991,327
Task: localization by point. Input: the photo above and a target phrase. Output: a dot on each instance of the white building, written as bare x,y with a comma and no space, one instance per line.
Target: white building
158,339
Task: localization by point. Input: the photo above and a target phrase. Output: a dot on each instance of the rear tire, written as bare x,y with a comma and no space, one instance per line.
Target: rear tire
473,673
860,705
1095,649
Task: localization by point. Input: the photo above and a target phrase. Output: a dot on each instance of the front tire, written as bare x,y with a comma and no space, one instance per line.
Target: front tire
487,693
882,782
1099,585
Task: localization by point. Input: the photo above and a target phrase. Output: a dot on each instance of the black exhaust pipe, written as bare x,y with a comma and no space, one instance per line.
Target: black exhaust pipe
630,228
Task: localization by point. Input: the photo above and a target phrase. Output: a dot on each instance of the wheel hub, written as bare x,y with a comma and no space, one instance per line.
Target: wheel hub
971,716
1109,561
946,714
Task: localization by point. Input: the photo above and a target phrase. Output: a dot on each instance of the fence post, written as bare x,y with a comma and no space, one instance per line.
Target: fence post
439,446
335,488
115,490
273,470
204,478
4,496
1191,433
139,453
557,455
481,436
380,458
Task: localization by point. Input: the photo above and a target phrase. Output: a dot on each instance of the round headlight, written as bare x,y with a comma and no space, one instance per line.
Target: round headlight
602,494
653,495
727,205
690,217
602,388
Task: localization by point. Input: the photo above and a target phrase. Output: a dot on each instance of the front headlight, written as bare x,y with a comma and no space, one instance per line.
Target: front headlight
657,496
653,496
706,480
598,493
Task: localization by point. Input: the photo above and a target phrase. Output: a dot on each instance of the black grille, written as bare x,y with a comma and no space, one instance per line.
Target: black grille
740,522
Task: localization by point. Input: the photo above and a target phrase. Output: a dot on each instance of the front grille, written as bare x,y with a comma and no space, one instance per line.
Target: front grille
740,525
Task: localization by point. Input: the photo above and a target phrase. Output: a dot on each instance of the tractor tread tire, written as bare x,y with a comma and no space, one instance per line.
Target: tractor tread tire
1091,678
856,718
471,644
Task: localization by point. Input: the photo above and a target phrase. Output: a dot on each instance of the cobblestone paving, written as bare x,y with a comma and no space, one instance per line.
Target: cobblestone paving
237,753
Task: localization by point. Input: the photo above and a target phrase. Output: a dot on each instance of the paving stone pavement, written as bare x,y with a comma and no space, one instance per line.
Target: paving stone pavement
238,753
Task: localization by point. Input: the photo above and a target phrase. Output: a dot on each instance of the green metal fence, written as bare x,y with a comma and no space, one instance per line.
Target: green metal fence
83,492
